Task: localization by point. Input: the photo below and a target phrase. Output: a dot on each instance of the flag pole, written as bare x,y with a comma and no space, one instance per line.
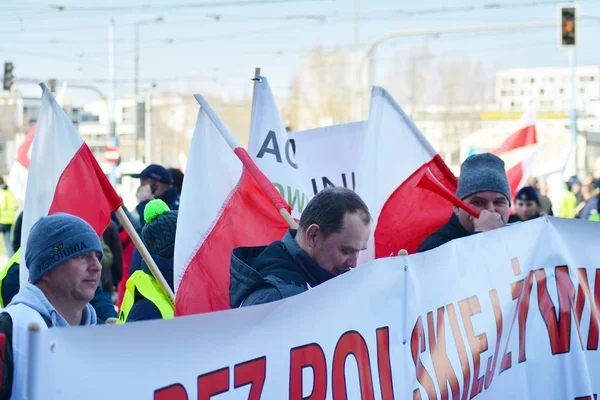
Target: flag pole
264,183
255,79
145,253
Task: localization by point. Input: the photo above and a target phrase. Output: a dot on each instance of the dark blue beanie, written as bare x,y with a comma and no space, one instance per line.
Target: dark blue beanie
55,239
528,193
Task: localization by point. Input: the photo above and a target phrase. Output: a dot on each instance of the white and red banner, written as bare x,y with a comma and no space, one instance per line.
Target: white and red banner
507,314
272,150
63,176
222,207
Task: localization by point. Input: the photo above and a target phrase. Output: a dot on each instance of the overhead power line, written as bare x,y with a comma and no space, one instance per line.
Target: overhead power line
480,7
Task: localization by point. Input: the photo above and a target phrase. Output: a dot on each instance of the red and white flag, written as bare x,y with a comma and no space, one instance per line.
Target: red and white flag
395,156
222,207
17,177
64,176
525,135
519,151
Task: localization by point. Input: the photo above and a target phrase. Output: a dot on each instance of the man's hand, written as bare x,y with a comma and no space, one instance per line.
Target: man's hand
144,193
487,221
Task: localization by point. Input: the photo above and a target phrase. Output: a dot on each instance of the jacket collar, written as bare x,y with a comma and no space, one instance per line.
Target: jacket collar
315,270
171,197
457,227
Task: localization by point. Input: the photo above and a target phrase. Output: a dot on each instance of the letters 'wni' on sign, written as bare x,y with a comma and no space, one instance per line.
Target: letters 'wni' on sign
347,180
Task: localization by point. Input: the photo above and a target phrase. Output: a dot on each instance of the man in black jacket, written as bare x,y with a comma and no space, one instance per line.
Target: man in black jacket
334,227
484,186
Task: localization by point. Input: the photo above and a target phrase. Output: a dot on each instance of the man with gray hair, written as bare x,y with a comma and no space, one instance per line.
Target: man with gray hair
63,255
484,186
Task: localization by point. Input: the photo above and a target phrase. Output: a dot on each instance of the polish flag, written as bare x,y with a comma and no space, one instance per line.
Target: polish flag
395,156
519,151
17,177
225,203
64,176
519,173
525,135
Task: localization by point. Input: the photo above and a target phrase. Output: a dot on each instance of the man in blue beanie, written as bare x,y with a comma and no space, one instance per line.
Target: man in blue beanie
484,186
63,256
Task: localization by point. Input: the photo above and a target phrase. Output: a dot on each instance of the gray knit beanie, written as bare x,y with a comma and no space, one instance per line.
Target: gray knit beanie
483,173
159,232
56,239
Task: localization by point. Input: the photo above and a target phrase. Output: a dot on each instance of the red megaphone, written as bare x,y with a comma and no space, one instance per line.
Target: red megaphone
429,181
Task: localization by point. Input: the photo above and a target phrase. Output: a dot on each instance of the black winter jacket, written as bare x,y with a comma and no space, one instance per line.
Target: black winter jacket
269,273
450,231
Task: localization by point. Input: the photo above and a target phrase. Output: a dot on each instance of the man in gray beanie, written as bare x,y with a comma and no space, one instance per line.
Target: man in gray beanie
484,186
63,255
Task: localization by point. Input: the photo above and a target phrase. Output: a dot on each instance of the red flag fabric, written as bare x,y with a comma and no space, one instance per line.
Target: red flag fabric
411,213
526,136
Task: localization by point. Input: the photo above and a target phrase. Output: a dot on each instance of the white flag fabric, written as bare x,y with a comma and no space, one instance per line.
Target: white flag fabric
272,151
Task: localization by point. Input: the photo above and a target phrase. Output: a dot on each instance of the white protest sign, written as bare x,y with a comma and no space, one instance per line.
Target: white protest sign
329,156
507,314
271,150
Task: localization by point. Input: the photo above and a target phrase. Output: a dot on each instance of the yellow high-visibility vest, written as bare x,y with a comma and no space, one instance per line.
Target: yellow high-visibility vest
147,286
569,204
8,207
15,259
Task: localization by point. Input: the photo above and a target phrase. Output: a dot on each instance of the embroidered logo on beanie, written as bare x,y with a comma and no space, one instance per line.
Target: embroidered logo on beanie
61,253
55,239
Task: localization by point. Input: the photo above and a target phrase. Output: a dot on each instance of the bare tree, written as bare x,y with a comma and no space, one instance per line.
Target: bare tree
409,81
324,88
461,90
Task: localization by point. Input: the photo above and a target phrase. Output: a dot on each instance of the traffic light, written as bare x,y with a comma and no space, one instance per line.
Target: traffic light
568,15
8,76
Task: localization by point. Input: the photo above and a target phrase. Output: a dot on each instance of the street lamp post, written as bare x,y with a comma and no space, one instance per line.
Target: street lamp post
137,75
368,54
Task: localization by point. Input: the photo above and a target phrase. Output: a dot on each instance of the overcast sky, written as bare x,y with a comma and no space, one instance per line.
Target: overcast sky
215,45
